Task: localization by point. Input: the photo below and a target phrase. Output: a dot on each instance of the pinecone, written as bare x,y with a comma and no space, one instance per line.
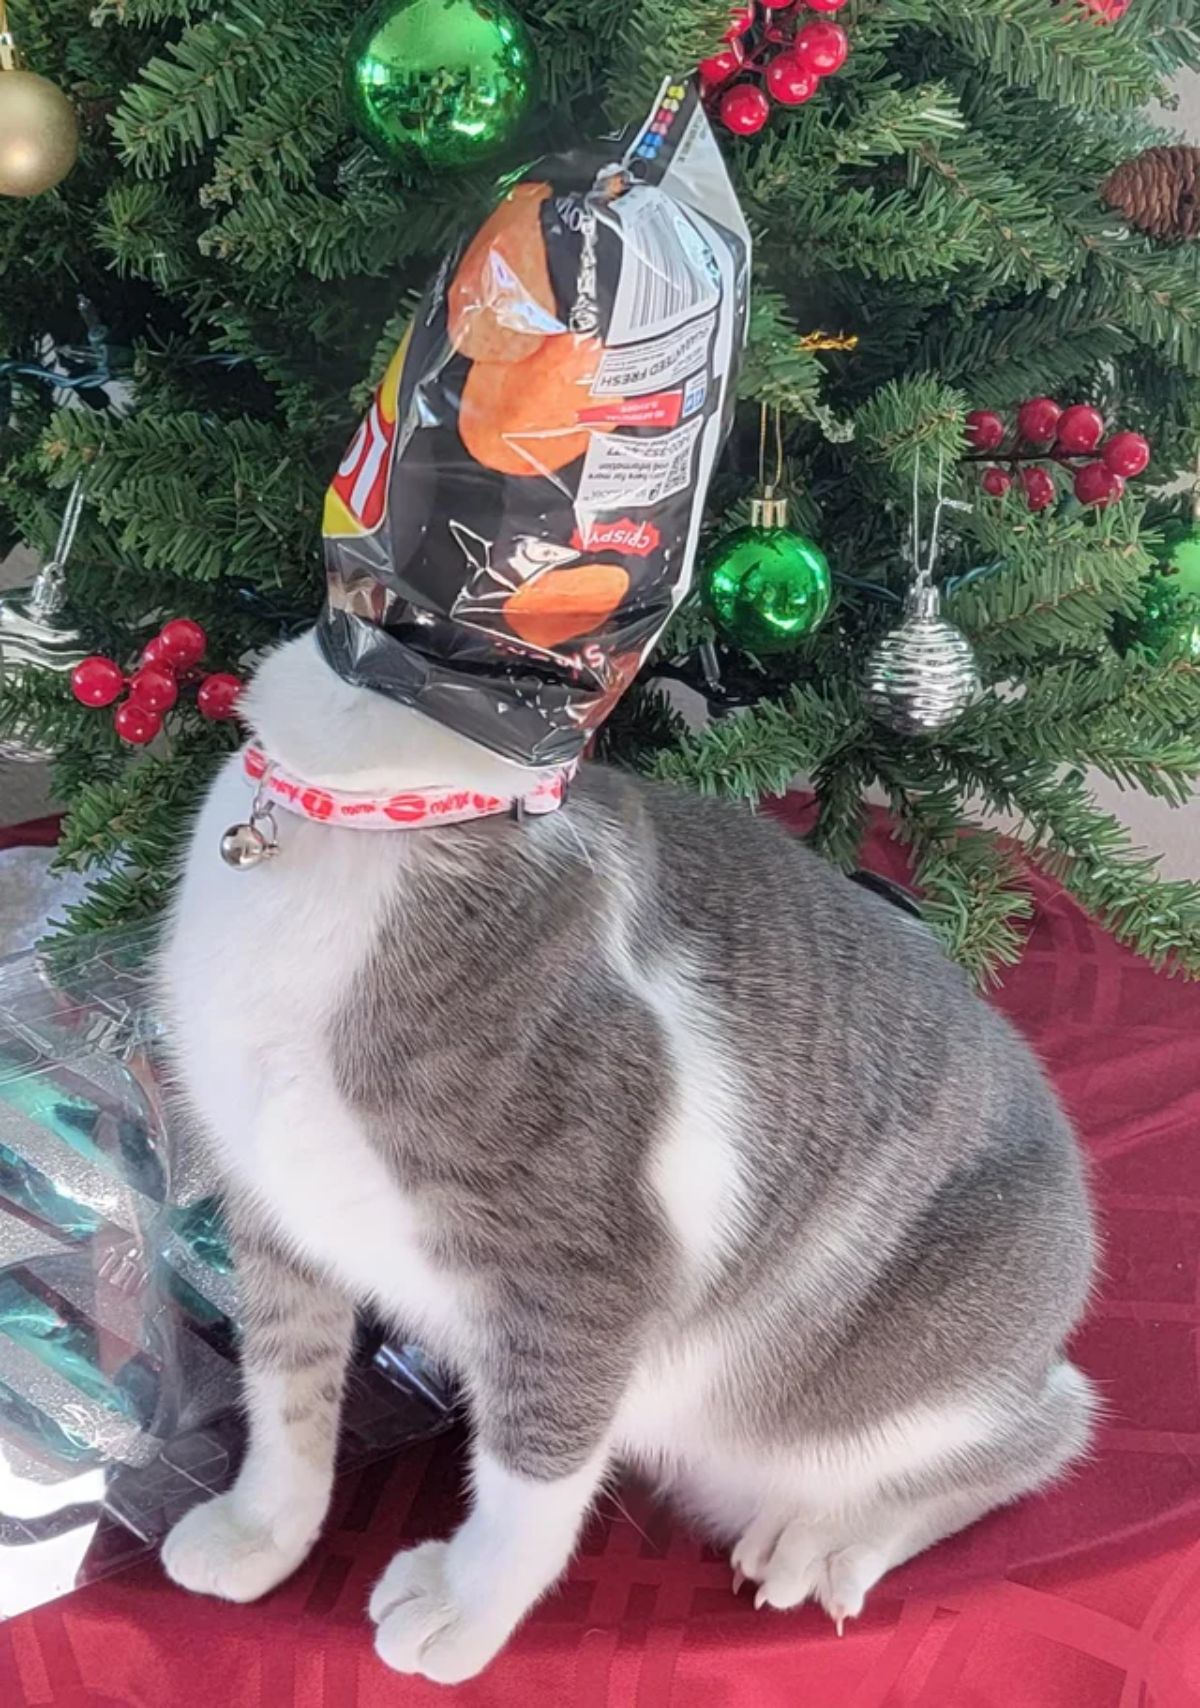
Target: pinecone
1159,191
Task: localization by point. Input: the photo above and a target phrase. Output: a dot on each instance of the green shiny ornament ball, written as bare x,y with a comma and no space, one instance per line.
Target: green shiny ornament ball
447,82
1168,624
767,588
1179,556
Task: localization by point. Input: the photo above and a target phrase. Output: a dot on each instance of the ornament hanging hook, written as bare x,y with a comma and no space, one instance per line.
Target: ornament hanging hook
923,572
770,487
9,58
935,527
48,594
914,525
767,508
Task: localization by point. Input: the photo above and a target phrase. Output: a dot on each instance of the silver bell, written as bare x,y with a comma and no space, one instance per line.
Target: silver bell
244,846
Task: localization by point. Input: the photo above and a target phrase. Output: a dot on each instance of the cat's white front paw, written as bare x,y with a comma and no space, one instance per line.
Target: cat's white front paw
217,1549
422,1628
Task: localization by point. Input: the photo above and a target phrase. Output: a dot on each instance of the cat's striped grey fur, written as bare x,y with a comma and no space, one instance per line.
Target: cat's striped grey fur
721,1168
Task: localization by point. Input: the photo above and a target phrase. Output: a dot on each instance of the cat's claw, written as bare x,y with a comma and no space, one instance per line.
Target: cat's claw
807,1563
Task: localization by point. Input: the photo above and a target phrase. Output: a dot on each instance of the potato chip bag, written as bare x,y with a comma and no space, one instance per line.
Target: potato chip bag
516,519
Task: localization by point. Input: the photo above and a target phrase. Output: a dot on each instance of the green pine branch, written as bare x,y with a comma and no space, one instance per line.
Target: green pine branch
1059,51
764,749
974,894
1059,580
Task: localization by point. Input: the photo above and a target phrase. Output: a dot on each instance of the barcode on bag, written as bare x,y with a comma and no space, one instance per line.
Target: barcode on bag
668,271
628,474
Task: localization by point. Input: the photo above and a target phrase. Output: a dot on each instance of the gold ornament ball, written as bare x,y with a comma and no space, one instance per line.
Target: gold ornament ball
39,134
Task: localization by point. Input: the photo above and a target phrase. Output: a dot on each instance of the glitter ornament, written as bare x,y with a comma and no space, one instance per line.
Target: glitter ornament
1168,623
924,675
1179,555
446,82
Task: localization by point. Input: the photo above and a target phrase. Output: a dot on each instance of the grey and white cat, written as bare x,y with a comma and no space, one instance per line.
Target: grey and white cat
682,1151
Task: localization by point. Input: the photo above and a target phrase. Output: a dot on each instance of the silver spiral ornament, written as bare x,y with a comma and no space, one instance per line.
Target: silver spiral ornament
924,675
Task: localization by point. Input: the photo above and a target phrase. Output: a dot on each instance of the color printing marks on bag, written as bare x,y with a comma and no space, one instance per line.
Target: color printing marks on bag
650,142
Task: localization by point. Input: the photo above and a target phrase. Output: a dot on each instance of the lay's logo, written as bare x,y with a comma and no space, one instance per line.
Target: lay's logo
356,500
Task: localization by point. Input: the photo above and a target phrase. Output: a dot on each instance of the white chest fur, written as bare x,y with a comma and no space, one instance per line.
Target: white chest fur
257,965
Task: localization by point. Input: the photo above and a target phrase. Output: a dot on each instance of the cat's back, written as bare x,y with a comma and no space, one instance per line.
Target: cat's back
855,1035
776,927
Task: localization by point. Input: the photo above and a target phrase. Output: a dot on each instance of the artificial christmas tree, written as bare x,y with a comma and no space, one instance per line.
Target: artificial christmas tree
231,252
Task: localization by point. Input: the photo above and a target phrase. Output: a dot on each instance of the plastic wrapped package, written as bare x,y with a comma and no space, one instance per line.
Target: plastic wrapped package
118,1303
517,517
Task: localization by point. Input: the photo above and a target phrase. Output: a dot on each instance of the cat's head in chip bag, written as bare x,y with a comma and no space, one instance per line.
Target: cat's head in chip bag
516,518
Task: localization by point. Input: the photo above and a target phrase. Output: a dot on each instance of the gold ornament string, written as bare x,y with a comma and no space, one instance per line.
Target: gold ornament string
823,340
768,486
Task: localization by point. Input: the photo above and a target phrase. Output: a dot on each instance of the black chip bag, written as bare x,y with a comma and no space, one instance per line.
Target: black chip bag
516,519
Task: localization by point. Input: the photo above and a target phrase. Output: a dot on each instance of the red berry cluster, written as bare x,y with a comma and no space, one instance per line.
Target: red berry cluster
775,52
1047,433
174,653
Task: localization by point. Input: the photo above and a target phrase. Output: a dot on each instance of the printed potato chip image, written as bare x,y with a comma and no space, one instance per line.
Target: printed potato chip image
565,604
522,418
501,301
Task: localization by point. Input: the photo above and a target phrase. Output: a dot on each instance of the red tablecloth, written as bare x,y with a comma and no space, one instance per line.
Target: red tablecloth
1086,1597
